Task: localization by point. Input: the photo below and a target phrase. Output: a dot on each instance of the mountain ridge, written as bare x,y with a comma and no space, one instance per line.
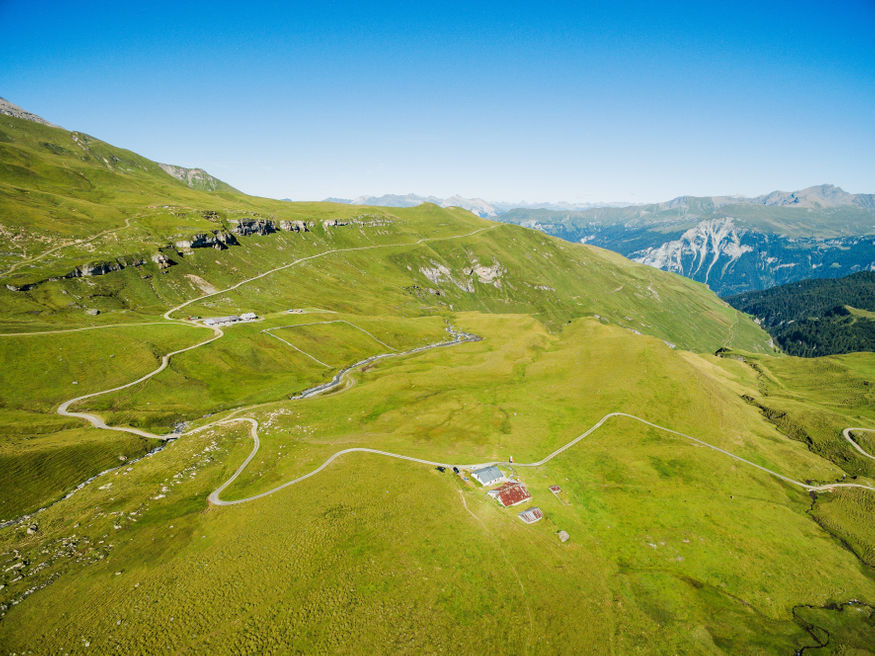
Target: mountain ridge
11,109
751,243
821,196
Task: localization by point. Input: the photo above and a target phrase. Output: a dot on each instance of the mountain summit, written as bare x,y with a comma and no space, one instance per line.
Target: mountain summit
10,109
820,196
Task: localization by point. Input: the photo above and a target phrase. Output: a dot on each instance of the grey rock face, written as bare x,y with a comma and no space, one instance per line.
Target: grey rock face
218,239
294,226
247,227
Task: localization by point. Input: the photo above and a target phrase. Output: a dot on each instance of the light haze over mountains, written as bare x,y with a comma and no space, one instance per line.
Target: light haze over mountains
816,197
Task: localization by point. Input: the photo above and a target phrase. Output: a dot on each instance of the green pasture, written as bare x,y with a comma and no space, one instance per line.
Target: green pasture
674,547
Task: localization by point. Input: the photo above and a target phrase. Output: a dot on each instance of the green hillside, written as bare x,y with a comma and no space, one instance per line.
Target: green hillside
711,529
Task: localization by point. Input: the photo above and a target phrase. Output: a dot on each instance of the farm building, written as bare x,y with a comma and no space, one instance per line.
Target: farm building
488,475
248,316
510,494
217,321
531,515
555,489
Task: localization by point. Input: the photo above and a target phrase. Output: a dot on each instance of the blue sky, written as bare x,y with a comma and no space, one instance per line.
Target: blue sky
507,101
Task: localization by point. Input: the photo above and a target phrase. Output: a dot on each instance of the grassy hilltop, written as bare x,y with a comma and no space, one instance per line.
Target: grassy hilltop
675,547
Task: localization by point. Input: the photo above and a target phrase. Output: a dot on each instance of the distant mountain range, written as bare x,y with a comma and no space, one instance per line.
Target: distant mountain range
817,198
730,243
482,208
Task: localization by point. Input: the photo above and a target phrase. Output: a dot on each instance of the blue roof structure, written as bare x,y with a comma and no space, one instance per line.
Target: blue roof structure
487,475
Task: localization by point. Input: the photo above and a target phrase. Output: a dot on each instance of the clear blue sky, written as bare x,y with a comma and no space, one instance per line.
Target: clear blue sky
506,101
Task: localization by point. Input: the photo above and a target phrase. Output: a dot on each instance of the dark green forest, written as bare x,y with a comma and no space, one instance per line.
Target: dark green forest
816,317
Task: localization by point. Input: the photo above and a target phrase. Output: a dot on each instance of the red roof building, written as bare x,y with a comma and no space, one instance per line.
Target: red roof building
510,494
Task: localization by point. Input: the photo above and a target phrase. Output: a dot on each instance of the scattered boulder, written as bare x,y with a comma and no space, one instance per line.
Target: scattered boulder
92,311
563,536
420,292
162,261
33,528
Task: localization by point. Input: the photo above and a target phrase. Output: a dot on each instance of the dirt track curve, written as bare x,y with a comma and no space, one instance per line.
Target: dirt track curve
458,338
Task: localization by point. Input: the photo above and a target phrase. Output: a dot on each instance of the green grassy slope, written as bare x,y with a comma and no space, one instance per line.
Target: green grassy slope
673,549
71,199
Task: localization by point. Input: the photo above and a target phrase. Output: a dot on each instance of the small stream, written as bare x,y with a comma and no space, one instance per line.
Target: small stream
458,338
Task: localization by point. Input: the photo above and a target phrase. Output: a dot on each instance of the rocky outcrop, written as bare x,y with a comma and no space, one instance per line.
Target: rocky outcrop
246,227
294,226
94,269
438,273
102,268
218,239
85,271
487,275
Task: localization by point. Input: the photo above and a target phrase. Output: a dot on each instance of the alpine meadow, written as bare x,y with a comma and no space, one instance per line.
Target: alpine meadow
235,423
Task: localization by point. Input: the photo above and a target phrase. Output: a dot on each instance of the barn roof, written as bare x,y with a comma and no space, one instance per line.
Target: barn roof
510,494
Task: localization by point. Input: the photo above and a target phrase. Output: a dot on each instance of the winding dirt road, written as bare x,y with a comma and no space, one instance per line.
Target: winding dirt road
98,422
458,338
847,433
215,499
